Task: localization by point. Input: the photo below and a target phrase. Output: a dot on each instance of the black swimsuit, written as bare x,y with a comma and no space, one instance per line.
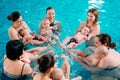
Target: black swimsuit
6,76
73,40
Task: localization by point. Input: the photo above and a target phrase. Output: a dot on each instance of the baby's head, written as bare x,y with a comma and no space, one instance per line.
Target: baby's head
45,23
57,74
21,32
85,30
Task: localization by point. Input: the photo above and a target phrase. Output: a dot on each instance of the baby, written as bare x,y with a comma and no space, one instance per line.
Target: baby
46,30
77,39
28,38
57,74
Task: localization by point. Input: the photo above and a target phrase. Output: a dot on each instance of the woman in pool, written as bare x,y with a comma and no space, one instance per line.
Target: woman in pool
50,14
109,64
91,23
46,63
14,68
17,23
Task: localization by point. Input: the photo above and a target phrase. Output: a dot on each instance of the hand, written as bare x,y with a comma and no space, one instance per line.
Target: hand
54,28
85,38
25,60
63,56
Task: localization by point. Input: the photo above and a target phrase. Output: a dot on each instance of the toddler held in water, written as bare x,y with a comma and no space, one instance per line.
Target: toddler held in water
77,39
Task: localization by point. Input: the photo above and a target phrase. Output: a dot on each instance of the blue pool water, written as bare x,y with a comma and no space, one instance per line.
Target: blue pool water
70,13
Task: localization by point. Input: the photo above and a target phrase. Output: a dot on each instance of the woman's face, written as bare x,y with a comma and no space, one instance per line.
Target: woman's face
50,14
18,22
91,17
97,42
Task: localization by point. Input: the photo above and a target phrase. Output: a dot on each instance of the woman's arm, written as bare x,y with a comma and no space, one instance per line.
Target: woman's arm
82,24
26,26
13,34
91,68
94,31
81,53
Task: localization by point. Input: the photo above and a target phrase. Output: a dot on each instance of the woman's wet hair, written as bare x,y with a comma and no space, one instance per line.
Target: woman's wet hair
106,39
49,9
46,62
14,16
14,49
95,13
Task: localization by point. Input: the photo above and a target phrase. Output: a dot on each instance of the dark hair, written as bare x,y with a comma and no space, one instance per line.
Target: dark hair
14,16
49,9
95,13
20,32
45,62
106,39
14,49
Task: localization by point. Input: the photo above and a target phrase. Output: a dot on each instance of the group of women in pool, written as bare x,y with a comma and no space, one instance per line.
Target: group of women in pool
103,61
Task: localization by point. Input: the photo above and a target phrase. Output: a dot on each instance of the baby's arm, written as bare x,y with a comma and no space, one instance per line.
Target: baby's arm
65,41
72,45
66,66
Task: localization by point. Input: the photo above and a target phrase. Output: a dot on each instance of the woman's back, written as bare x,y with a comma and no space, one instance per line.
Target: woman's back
16,67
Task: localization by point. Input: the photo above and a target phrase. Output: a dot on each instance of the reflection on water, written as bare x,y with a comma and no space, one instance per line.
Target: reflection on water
96,4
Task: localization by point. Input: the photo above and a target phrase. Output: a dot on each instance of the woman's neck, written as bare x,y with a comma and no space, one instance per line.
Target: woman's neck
14,26
51,20
89,24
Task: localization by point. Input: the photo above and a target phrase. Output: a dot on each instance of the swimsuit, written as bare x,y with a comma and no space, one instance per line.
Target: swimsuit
54,31
73,40
7,76
53,23
111,71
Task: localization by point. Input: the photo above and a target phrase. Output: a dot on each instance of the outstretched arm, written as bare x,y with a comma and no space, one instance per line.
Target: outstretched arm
91,68
66,66
79,52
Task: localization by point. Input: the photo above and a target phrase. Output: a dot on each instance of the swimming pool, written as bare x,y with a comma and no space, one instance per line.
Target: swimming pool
69,13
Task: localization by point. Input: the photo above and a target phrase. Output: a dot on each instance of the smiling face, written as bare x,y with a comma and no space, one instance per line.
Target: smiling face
90,17
50,14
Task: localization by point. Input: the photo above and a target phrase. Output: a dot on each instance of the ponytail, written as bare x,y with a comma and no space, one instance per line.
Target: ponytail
112,45
13,16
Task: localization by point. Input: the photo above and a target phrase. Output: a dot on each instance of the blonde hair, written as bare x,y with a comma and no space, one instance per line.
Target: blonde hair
57,74
43,20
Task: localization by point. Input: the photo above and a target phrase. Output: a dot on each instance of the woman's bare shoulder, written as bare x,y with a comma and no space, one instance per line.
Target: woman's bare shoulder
12,30
24,24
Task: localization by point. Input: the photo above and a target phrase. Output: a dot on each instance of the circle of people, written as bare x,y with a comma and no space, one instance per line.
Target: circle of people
103,61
